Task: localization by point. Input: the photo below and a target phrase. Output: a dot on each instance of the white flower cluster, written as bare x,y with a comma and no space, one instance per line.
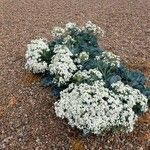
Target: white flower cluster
109,58
81,57
70,26
89,26
62,65
57,32
94,108
79,76
33,56
130,96
68,40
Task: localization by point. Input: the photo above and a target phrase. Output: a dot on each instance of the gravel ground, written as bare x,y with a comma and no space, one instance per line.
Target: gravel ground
27,118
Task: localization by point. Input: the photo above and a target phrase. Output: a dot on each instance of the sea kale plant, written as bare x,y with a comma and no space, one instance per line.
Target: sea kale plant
95,92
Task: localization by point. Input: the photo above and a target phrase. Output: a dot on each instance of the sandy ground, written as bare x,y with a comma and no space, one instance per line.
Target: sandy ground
27,118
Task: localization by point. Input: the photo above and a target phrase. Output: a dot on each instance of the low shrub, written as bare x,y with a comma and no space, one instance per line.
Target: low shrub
95,91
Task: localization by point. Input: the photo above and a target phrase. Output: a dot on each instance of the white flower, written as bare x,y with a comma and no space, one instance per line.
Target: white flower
68,40
33,56
130,96
94,108
79,76
62,65
70,25
91,27
100,31
62,49
58,32
109,58
82,57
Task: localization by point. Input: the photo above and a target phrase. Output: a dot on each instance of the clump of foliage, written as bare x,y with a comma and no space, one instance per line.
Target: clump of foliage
95,91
